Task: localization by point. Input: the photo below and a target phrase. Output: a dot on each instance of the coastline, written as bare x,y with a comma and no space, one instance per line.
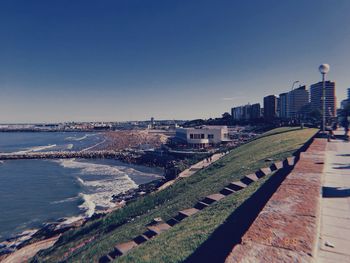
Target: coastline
110,140
133,155
61,225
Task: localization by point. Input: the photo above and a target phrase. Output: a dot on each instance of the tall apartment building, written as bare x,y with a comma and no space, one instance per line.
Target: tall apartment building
255,111
345,102
237,113
270,107
283,105
246,112
316,98
297,99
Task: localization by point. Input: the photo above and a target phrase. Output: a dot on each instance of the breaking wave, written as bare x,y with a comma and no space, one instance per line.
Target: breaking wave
97,193
69,199
35,149
79,138
69,146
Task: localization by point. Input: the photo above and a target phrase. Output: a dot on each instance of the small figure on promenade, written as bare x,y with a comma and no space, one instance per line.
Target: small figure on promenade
346,129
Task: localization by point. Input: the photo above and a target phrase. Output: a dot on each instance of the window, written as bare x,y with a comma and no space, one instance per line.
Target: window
196,136
210,136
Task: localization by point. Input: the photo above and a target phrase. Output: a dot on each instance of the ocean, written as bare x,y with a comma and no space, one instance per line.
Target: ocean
34,192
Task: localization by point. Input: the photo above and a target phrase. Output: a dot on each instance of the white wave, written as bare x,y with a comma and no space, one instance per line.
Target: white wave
34,149
79,138
72,219
93,146
69,199
104,169
88,206
98,193
69,146
81,181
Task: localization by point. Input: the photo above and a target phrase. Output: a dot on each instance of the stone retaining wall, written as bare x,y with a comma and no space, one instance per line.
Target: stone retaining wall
286,229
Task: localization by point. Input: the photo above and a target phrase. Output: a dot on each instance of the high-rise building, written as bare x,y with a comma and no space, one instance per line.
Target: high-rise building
346,102
270,107
316,98
246,112
255,111
278,101
283,105
297,99
237,113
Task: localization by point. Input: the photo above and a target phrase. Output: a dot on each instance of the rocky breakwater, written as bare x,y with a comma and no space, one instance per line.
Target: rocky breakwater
62,155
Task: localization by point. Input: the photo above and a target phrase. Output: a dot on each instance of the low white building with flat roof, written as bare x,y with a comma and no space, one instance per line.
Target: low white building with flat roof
203,136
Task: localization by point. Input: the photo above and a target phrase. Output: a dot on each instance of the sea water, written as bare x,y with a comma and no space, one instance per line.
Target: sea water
33,192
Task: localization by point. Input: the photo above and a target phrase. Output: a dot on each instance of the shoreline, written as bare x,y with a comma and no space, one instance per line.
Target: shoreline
56,227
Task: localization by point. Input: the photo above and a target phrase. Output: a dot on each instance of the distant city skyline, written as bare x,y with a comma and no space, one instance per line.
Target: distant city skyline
133,60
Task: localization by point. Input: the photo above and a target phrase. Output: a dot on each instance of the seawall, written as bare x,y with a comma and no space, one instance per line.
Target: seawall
286,228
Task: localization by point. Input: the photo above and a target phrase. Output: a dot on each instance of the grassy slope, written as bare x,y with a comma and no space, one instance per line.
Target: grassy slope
276,144
183,239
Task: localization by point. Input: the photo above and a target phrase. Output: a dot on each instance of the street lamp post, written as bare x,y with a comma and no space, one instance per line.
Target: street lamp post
324,69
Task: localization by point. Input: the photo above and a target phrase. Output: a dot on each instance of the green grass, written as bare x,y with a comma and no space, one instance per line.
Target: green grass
276,144
183,239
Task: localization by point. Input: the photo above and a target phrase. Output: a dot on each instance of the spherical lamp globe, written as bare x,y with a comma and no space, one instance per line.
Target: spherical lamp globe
324,68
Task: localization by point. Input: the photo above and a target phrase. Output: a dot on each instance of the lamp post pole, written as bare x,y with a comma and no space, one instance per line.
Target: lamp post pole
323,103
324,69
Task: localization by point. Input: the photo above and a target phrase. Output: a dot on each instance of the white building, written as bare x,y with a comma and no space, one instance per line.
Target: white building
204,136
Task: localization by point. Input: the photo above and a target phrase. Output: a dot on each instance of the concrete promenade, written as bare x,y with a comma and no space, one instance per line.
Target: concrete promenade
334,236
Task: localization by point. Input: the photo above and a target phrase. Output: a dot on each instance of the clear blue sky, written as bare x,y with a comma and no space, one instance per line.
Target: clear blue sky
172,59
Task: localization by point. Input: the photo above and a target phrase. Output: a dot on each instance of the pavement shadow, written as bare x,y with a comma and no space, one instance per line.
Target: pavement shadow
218,246
335,192
342,167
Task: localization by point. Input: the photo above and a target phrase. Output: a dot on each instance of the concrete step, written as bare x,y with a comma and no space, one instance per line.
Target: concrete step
213,198
263,172
114,254
291,160
159,228
186,213
201,205
236,186
227,191
123,248
250,178
140,239
105,259
149,234
276,166
172,222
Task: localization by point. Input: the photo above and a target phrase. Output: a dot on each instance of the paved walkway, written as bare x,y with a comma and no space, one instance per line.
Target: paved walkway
334,240
193,169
